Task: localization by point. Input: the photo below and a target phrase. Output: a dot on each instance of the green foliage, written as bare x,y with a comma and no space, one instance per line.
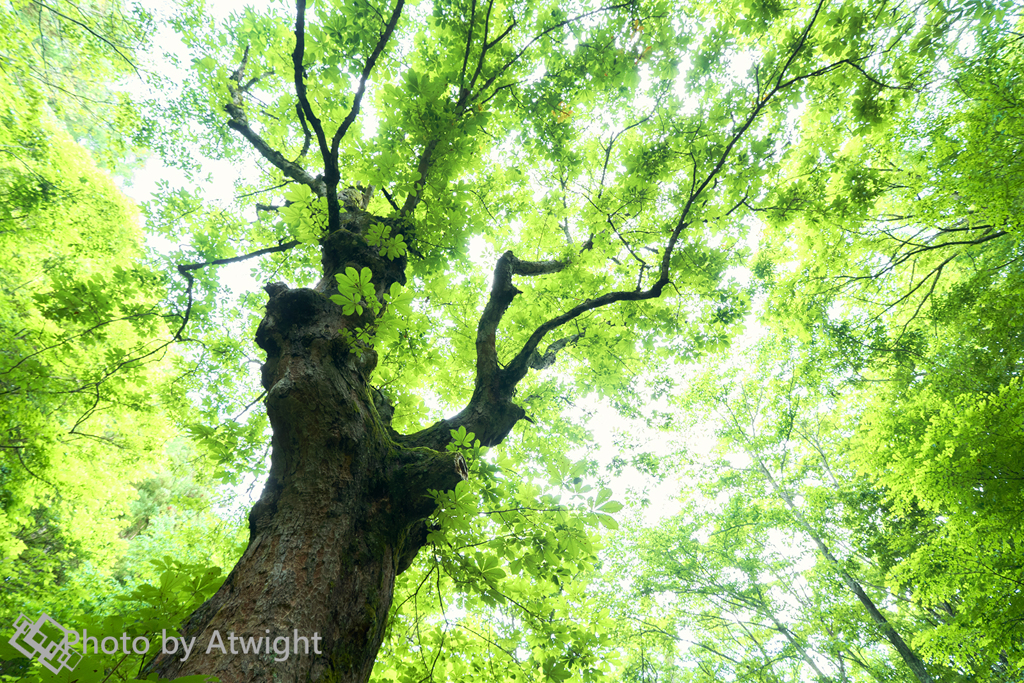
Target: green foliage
516,555
354,289
80,352
907,270
870,147
86,399
379,235
873,154
71,56
137,626
305,214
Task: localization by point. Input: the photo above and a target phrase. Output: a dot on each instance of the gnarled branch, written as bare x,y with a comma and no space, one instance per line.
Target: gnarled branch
502,294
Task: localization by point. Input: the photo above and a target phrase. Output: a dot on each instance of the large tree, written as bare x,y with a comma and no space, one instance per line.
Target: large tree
604,159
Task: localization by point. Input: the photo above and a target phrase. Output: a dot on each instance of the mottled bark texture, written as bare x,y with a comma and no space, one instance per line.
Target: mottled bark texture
342,511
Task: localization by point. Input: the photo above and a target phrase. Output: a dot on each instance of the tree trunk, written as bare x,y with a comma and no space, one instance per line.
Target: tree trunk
342,511
906,653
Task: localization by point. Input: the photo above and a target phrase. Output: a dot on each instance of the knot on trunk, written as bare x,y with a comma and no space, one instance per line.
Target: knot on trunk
423,471
347,248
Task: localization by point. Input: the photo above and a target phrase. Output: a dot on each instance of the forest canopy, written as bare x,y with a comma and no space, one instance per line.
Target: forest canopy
531,341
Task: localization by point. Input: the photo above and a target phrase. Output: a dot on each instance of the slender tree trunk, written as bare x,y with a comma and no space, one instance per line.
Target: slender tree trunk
342,511
905,652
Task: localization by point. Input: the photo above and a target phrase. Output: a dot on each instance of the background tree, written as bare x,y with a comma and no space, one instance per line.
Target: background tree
762,575
921,292
87,387
904,294
890,428
78,331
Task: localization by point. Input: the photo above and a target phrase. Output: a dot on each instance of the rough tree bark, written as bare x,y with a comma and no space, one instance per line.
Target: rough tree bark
341,514
344,508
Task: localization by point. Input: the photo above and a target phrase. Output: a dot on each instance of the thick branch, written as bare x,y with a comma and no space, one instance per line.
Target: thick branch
240,123
331,173
300,83
502,293
289,168
370,63
547,359
307,136
437,472
517,369
490,414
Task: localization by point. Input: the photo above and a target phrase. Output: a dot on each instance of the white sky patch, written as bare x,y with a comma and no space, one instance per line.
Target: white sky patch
740,63
537,74
643,101
608,427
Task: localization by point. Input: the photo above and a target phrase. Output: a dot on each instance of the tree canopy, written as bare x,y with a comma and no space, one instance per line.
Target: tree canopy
776,246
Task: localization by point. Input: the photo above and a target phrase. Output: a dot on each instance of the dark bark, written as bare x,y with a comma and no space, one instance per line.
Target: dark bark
342,511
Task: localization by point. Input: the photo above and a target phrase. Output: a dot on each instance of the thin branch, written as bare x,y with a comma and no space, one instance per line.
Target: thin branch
414,198
186,272
17,451
300,80
391,200
182,268
515,58
611,144
94,34
466,93
266,189
465,57
483,53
